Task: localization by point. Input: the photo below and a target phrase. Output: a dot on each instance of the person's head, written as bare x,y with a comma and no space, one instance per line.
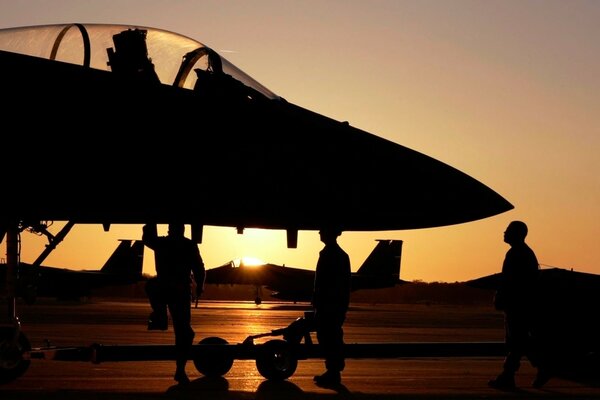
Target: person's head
515,232
329,234
176,229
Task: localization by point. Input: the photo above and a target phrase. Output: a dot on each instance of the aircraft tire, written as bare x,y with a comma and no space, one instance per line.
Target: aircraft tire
217,364
12,363
276,360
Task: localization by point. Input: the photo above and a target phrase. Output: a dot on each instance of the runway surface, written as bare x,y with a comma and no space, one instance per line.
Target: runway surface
113,323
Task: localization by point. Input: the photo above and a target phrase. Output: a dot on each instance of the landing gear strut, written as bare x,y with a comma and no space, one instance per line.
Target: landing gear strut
13,342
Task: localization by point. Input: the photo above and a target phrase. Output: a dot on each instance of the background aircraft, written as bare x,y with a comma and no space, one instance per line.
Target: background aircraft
381,269
566,330
123,267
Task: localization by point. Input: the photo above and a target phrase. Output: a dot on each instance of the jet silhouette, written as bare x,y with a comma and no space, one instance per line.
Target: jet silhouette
381,269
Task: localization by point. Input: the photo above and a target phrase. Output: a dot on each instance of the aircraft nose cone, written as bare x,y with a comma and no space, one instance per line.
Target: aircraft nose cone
309,169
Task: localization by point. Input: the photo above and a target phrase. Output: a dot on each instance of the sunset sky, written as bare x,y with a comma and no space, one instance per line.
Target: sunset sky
505,91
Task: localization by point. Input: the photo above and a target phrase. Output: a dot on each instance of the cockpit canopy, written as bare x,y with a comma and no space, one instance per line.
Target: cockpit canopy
171,56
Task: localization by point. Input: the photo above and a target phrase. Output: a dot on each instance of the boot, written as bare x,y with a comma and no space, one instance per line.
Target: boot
542,377
504,381
329,378
180,376
158,323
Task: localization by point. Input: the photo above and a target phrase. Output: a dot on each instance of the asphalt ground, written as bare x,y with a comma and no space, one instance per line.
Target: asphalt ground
110,322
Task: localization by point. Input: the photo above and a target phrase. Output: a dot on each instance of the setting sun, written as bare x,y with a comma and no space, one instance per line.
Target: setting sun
249,262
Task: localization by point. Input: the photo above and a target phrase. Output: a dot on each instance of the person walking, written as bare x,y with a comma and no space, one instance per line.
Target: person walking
177,261
515,296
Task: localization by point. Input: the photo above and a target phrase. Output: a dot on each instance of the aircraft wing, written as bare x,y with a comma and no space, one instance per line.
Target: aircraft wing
191,126
485,282
549,277
123,267
286,283
273,276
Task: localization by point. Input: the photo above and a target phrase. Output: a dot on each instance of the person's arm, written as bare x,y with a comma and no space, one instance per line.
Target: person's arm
346,280
316,297
198,270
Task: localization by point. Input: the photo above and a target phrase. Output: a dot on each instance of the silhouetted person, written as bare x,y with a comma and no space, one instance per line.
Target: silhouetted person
515,296
177,259
330,301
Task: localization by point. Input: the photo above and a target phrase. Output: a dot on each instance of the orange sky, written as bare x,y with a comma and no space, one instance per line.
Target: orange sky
506,91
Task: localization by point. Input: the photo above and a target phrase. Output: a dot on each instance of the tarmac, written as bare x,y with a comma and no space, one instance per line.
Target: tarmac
110,322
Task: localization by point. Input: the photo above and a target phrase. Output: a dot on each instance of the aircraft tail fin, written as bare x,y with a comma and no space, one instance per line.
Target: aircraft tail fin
384,261
127,259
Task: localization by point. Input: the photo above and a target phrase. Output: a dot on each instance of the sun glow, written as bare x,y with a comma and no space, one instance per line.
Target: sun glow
250,262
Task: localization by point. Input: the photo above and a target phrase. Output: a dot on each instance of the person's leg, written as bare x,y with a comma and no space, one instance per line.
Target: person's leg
331,339
158,319
517,341
180,309
543,356
335,355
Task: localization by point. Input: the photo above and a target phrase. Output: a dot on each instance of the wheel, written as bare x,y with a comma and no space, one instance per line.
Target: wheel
12,363
213,364
276,360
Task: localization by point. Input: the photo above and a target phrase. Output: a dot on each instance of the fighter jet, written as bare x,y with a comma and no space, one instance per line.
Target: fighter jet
86,106
381,269
564,329
123,267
